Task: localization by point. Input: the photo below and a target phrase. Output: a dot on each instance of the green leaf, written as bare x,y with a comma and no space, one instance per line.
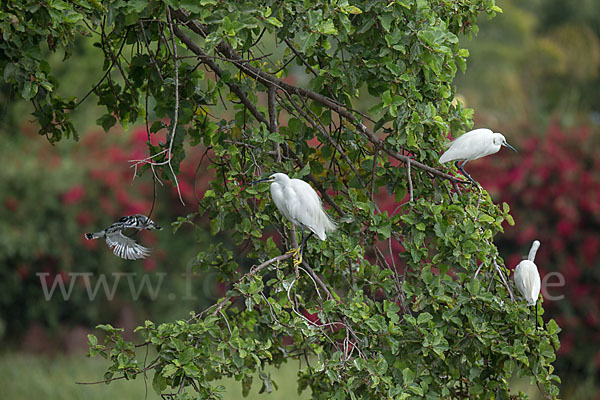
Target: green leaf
106,121
169,370
408,376
423,318
474,286
327,28
92,339
275,22
159,383
349,9
29,90
510,220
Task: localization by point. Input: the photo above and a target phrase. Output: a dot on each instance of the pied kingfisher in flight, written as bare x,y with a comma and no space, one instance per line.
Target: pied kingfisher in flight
124,246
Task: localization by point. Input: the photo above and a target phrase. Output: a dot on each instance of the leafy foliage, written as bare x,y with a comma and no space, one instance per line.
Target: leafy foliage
389,306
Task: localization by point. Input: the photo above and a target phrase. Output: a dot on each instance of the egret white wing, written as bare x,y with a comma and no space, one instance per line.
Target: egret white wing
305,208
280,198
528,281
518,277
125,247
468,146
533,282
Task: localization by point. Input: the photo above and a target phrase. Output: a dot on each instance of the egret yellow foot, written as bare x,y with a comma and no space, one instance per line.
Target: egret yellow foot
297,256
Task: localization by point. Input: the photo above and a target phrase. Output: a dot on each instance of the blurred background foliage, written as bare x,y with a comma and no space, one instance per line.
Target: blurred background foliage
533,74
539,59
51,196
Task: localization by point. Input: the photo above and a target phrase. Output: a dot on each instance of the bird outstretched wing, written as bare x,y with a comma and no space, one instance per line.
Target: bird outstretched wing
125,247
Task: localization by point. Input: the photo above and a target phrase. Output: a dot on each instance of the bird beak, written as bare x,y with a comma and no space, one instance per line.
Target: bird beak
261,180
509,146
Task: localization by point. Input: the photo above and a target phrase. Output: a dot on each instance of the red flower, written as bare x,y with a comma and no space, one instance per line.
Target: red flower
73,195
149,264
11,203
85,218
23,271
565,228
590,249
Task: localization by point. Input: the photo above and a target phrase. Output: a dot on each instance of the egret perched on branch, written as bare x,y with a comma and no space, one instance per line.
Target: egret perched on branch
473,145
301,205
123,246
527,277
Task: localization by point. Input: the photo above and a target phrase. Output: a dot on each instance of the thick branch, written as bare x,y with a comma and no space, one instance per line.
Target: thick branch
209,61
252,108
269,80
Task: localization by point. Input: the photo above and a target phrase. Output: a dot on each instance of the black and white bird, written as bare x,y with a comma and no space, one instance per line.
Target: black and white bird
124,246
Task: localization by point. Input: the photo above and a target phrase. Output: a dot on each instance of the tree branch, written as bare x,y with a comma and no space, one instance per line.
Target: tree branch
268,80
252,108
320,128
274,125
217,70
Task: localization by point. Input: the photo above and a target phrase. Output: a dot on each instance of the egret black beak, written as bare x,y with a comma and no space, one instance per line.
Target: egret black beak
509,146
262,180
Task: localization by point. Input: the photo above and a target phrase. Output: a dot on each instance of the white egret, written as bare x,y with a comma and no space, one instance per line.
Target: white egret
473,145
123,246
527,277
301,205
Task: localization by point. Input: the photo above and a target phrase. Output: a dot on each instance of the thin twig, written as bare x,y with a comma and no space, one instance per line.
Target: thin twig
149,51
478,269
316,278
291,46
169,150
372,190
274,125
512,297
410,184
149,367
323,131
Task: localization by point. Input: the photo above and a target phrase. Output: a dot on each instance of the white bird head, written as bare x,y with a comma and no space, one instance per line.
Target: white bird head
279,178
276,177
500,140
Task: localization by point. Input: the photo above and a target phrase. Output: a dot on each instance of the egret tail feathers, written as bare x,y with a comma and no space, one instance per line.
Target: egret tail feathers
327,224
